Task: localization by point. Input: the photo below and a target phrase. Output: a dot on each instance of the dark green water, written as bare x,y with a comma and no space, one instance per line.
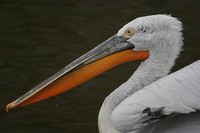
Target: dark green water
37,38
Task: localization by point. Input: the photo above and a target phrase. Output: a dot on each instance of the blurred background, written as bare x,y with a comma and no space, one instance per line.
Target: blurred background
38,38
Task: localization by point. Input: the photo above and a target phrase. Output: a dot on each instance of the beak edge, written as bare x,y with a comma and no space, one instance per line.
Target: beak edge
82,75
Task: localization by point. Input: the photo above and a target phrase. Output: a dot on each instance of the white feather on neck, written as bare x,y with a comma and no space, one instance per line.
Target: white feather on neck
163,52
143,76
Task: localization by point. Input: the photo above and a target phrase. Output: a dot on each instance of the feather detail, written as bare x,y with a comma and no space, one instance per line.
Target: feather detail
178,92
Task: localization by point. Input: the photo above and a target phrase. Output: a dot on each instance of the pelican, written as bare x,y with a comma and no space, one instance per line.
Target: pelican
150,95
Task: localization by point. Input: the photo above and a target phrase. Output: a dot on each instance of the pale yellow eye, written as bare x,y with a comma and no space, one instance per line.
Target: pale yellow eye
128,33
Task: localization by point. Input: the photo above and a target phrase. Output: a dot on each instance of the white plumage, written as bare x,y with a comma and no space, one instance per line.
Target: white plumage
178,92
123,110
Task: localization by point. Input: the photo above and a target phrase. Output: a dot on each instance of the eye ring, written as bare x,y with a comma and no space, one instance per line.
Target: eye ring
128,33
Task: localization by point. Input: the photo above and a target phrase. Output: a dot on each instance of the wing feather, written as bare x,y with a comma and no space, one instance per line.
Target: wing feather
178,92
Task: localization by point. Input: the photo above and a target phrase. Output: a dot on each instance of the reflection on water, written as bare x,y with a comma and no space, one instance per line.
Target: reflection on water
39,38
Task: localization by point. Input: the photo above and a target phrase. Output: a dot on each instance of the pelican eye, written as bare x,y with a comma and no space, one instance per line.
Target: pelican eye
128,33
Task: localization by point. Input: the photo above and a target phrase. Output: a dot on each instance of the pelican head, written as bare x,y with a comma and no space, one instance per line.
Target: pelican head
155,38
161,35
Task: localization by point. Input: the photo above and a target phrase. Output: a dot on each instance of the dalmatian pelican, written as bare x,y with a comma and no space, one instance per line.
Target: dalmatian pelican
150,95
